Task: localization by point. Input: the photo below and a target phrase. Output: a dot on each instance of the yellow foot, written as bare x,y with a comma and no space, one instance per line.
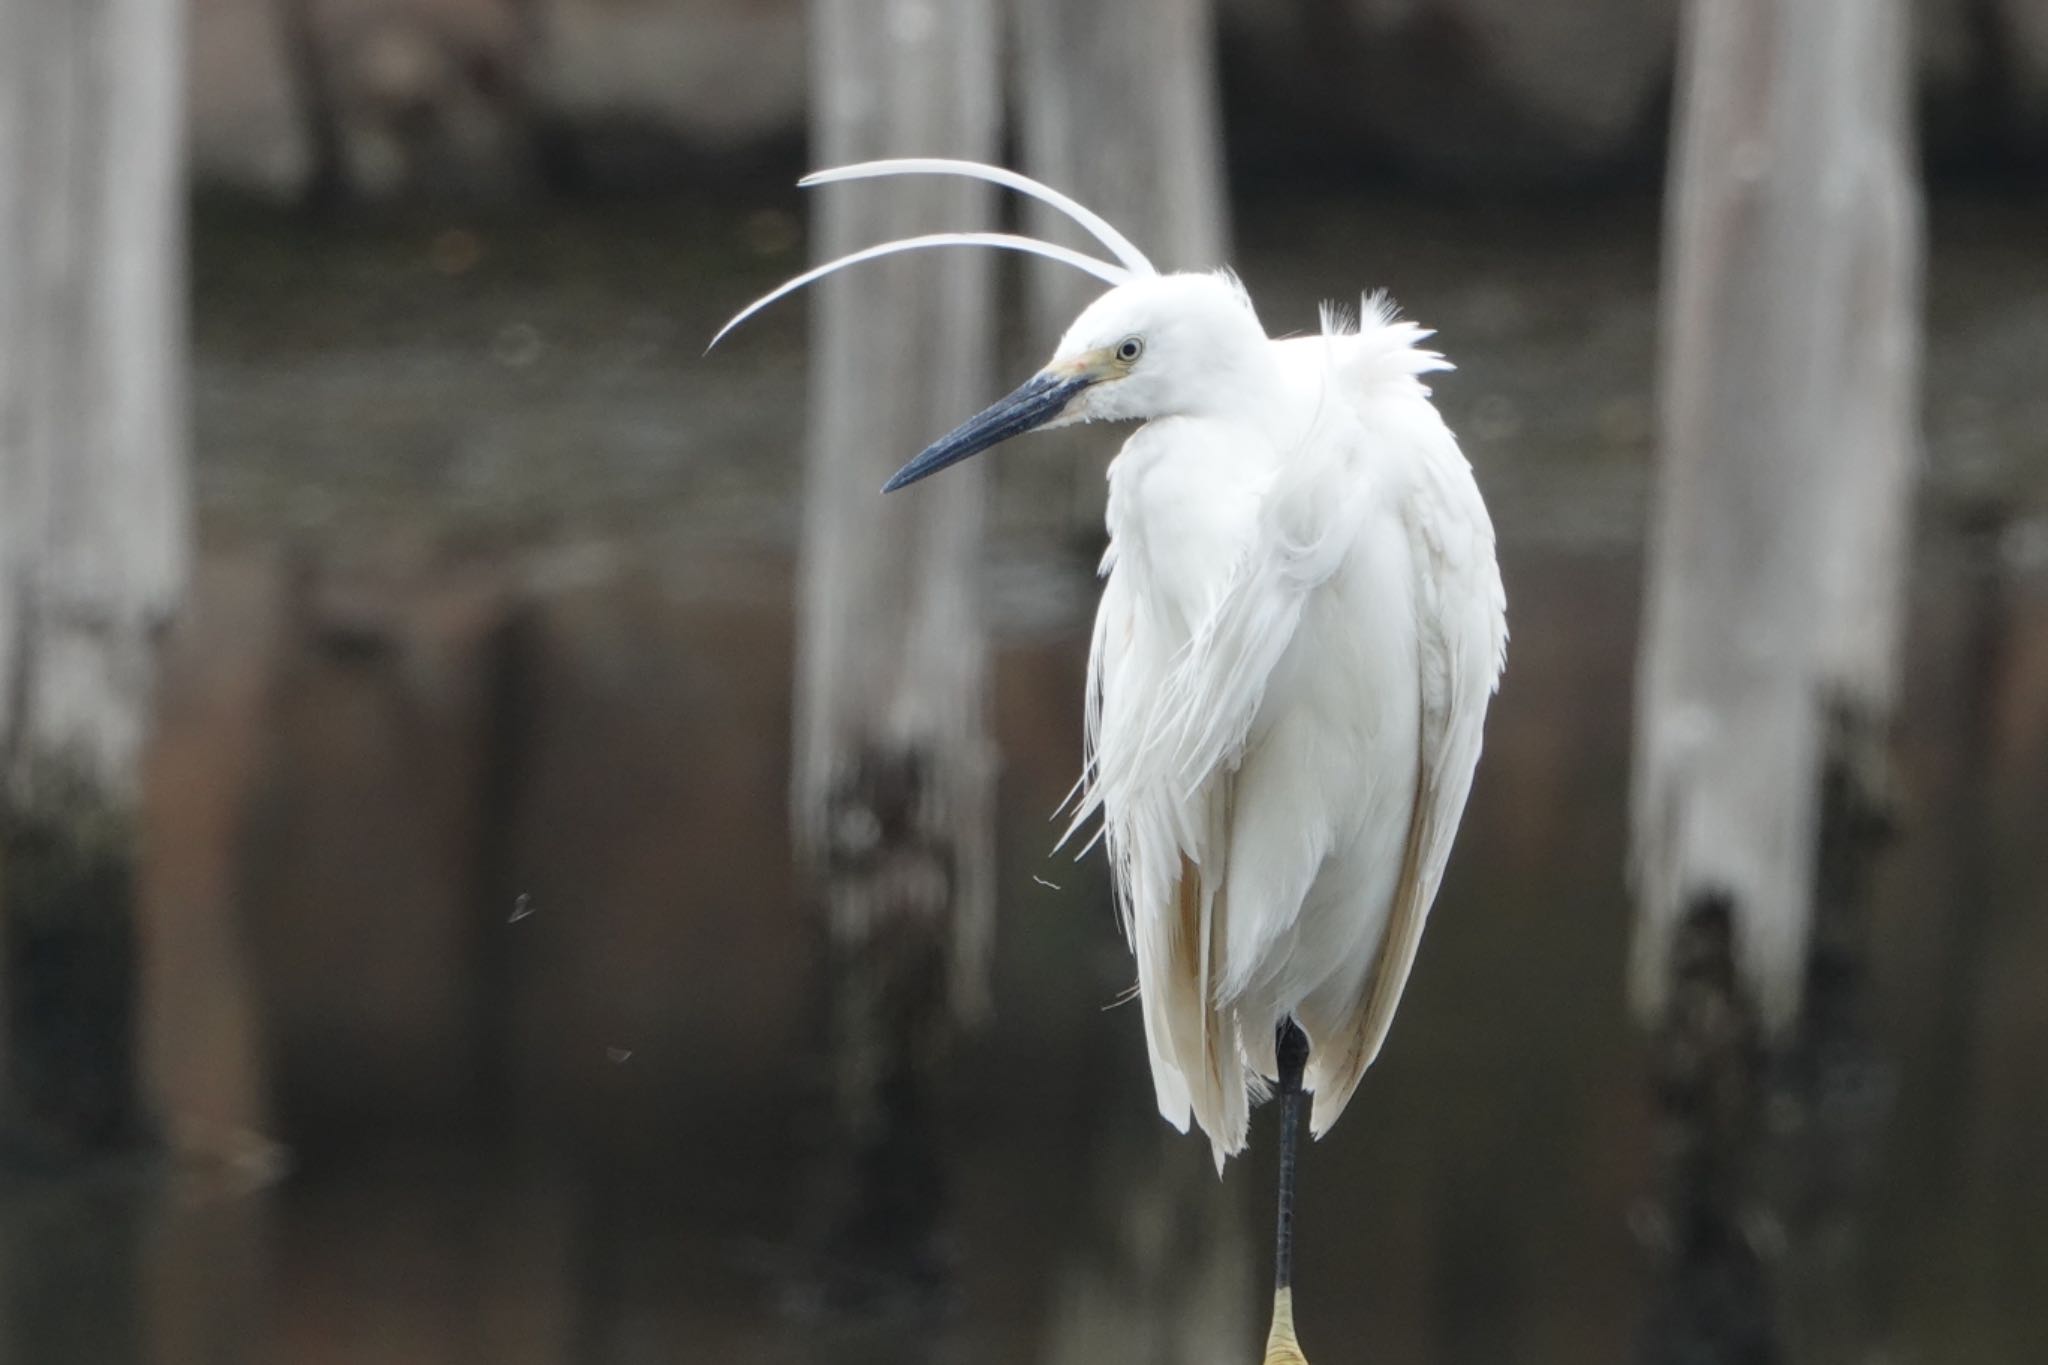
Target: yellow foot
1281,1347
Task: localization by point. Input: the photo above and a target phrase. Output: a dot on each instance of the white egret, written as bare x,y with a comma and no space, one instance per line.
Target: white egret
1301,625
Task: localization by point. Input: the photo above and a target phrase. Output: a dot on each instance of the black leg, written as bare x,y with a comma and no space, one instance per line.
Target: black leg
1292,1049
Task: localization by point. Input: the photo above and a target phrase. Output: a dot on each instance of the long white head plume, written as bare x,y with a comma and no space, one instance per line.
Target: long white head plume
1133,260
1097,226
1101,270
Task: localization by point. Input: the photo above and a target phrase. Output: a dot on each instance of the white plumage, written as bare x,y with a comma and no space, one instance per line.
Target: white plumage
1299,635
1301,626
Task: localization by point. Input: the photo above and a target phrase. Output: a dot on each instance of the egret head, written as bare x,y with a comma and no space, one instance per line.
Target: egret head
1156,346
1153,346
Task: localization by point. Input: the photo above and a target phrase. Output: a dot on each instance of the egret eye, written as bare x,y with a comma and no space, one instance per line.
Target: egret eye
1129,349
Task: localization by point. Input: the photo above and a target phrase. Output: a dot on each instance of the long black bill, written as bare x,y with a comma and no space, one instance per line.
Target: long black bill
1038,401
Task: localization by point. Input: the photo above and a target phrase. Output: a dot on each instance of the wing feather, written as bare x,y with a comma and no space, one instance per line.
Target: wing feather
1168,821
1460,616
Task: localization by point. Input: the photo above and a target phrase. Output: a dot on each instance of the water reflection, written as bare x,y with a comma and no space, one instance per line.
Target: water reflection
607,1209
583,1134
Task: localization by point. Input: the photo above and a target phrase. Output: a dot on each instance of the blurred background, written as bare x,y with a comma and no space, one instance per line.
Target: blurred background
487,1004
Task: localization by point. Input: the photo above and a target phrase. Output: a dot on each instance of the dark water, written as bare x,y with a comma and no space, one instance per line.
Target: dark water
527,991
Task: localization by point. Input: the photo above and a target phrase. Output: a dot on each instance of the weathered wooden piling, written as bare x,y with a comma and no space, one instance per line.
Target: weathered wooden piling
1769,665
894,777
94,528
1118,105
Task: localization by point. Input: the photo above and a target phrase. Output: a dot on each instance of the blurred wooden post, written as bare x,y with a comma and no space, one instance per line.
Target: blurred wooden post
93,530
327,182
1771,634
894,777
1119,109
